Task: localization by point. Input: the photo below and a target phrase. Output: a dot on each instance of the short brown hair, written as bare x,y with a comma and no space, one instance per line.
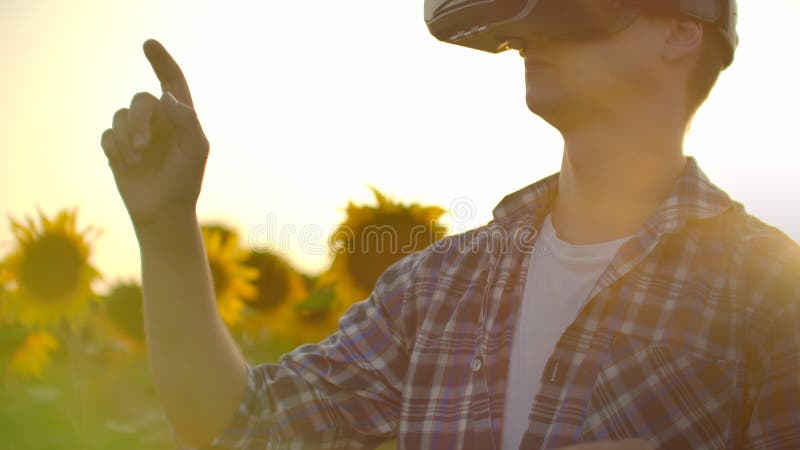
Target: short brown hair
710,63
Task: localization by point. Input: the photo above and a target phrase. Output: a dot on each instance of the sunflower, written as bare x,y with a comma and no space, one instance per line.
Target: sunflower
5,278
317,316
280,287
117,330
372,238
123,304
233,281
121,321
33,355
49,271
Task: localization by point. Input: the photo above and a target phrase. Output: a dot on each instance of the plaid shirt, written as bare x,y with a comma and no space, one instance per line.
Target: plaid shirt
690,340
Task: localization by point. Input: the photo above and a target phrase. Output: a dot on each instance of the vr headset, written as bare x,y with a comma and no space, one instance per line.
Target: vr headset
498,25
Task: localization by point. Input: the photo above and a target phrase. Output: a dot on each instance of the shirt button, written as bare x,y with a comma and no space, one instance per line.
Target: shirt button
476,364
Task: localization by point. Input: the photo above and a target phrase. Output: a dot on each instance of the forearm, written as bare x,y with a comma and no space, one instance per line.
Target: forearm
199,373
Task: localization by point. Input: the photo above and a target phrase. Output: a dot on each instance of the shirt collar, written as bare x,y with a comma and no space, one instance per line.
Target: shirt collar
692,196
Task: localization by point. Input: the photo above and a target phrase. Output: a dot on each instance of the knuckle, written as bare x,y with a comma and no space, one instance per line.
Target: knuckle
107,138
109,149
143,95
142,98
120,116
142,108
109,152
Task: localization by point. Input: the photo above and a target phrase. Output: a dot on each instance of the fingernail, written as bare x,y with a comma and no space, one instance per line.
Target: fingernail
139,141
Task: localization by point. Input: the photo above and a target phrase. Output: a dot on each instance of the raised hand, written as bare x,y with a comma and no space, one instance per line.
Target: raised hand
156,148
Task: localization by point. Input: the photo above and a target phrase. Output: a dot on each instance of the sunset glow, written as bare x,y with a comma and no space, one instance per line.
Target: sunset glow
307,104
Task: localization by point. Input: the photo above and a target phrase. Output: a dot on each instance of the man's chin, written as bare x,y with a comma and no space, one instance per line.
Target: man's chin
542,107
554,112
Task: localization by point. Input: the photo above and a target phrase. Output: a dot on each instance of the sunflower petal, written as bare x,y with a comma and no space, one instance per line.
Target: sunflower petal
29,360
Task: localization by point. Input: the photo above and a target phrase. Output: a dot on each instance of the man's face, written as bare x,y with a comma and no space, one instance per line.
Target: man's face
572,81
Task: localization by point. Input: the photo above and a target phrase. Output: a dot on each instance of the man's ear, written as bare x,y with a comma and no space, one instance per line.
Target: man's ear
685,38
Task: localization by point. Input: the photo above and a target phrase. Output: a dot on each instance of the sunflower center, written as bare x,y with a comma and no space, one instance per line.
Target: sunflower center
272,282
382,242
124,305
51,267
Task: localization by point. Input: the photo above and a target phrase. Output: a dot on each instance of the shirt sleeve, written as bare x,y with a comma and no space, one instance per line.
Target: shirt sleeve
343,392
775,419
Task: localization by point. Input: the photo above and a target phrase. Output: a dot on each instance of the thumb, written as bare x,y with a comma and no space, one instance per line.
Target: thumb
184,118
181,115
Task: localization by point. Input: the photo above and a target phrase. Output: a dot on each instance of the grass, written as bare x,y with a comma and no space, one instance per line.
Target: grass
82,401
90,398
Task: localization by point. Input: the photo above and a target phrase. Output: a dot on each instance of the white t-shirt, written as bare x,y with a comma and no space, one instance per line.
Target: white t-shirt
560,277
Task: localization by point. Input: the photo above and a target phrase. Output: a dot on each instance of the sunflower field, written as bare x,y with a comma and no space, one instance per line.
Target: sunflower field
73,352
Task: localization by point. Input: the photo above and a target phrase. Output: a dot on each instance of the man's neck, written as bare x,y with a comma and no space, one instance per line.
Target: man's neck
612,180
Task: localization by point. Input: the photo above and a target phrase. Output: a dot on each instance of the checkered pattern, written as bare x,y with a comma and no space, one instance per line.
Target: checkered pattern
690,341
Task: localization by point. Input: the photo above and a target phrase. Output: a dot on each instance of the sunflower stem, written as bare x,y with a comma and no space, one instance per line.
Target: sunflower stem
78,383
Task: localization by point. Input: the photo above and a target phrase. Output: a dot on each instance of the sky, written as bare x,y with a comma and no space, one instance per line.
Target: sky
307,104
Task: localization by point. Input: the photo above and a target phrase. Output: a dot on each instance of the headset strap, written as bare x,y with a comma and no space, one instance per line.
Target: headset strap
710,11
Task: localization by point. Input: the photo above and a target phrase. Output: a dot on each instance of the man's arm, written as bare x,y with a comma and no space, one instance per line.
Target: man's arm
157,152
199,374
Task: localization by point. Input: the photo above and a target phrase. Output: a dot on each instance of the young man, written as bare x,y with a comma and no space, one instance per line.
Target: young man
625,302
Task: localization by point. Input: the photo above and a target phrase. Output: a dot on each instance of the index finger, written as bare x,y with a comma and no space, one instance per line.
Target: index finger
167,71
